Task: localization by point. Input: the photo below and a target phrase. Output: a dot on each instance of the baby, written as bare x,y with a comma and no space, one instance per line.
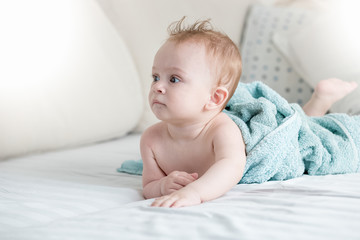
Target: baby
196,153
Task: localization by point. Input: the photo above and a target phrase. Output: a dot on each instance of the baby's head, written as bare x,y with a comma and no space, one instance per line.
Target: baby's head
223,55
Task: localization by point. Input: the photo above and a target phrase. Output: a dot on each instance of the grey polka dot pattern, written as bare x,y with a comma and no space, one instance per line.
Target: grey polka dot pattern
262,61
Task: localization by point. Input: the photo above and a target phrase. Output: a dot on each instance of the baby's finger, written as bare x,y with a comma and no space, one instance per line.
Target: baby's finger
179,203
183,202
157,202
194,175
175,185
165,201
173,188
185,174
183,181
168,202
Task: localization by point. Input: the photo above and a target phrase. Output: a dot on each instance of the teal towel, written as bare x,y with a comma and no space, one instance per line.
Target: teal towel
283,143
132,167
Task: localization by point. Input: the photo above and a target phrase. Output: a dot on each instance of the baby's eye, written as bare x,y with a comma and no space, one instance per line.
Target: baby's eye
174,80
156,78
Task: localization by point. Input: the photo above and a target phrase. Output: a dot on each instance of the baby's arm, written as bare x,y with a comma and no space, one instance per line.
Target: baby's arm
225,173
155,182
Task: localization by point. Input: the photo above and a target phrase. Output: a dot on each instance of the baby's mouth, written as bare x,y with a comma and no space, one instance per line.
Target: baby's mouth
156,102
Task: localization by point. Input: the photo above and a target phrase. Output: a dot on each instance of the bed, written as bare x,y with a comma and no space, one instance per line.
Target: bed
76,110
78,194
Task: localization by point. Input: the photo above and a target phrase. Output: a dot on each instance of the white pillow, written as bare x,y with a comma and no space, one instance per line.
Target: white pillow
329,47
66,77
261,59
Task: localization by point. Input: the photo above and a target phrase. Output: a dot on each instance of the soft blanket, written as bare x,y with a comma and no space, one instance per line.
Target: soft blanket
282,142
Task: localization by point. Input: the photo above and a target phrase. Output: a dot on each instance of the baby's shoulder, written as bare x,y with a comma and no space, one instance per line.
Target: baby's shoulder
226,133
222,122
223,125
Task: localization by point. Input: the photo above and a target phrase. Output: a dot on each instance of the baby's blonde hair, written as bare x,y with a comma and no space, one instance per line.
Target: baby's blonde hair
220,48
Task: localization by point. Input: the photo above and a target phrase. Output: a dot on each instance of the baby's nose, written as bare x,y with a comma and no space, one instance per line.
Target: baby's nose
159,88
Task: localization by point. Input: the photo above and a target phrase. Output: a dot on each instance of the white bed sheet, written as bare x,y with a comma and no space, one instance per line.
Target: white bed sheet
77,194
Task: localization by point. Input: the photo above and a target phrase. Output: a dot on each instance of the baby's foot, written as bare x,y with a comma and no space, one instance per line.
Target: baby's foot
326,93
333,89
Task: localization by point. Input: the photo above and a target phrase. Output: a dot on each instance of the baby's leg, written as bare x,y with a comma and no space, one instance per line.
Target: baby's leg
326,93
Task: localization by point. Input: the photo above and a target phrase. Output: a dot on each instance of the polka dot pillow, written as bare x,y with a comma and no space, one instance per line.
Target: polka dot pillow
262,61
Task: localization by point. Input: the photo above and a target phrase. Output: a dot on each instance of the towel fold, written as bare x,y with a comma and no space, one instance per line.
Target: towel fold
132,167
282,142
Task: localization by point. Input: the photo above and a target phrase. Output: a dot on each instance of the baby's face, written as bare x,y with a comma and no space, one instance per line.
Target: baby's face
182,82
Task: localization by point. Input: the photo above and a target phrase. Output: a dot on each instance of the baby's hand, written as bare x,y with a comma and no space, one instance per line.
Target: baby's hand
181,198
175,181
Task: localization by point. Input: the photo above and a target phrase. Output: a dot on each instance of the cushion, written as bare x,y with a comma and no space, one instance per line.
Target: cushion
65,81
262,61
327,48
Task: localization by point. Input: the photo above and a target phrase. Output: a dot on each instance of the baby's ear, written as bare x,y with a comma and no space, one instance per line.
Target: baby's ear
218,98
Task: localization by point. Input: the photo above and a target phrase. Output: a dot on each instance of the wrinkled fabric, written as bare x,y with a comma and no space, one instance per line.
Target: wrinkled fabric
283,143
